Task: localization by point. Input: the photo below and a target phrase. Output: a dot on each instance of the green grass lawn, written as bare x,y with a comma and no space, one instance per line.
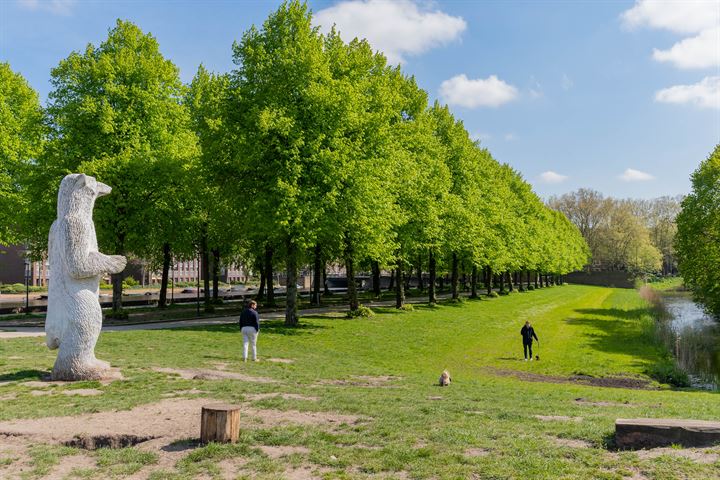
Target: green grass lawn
482,426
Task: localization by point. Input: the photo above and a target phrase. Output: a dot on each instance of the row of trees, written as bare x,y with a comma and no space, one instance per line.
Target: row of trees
698,237
624,234
311,151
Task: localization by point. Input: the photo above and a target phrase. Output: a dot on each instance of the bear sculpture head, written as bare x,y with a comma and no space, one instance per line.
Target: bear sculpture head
78,193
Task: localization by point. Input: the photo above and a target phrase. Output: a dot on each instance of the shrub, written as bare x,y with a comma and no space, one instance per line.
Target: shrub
407,307
493,294
504,292
117,314
668,372
130,282
530,288
361,311
521,289
105,286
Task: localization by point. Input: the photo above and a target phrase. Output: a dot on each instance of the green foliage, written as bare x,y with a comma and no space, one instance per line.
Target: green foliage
361,311
493,294
119,314
21,142
19,288
698,237
129,282
407,307
667,372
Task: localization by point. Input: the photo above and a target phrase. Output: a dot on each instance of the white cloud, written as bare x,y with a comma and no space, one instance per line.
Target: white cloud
58,7
396,27
631,175
704,94
473,93
701,51
552,177
566,83
680,16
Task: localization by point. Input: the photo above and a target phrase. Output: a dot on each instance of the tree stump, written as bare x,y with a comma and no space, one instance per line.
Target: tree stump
220,423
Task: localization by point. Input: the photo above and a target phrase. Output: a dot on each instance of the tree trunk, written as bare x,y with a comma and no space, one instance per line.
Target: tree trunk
162,303
431,281
454,278
376,279
464,277
391,285
400,288
215,274
535,276
406,278
488,279
541,280
510,282
291,318
527,274
501,278
441,287
350,275
473,282
117,278
269,276
421,287
205,266
326,289
317,275
261,290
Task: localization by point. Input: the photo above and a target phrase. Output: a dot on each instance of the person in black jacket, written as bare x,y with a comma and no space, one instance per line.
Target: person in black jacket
528,332
250,327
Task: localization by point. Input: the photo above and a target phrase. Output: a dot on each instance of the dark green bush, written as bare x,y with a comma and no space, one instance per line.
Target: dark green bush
668,372
362,311
493,294
117,314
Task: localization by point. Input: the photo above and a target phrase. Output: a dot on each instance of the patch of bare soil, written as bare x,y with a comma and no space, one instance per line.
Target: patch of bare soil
181,393
83,392
171,419
200,374
285,396
585,401
570,442
305,472
477,452
382,381
557,418
9,396
283,450
612,382
280,360
40,393
699,455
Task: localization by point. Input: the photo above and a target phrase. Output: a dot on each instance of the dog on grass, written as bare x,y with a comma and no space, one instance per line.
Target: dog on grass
444,379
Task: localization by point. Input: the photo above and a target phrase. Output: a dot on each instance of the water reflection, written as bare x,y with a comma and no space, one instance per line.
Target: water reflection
694,338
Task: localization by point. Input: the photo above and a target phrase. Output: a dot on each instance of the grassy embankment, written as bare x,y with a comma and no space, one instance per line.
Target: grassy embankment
482,426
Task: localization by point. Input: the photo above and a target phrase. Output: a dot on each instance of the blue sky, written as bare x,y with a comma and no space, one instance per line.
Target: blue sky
619,96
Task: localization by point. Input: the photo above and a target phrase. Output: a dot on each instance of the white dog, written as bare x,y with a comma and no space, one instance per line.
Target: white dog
444,379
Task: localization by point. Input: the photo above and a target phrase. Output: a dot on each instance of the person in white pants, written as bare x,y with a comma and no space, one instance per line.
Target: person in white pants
250,328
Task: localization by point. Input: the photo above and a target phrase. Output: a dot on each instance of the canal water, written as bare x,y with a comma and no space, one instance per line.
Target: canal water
694,338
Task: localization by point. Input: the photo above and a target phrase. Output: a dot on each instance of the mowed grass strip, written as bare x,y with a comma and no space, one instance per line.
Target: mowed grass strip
490,423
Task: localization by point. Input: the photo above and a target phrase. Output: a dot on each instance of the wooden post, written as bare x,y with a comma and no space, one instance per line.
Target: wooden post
220,423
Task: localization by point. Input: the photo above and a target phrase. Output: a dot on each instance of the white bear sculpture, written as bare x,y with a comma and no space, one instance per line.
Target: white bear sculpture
74,317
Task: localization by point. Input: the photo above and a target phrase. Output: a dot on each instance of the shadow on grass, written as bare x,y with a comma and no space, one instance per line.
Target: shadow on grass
617,330
24,375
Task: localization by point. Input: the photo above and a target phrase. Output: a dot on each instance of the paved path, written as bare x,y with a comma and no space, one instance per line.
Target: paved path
15,332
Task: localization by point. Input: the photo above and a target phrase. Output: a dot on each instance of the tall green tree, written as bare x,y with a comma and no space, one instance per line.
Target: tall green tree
281,113
116,113
22,138
698,237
